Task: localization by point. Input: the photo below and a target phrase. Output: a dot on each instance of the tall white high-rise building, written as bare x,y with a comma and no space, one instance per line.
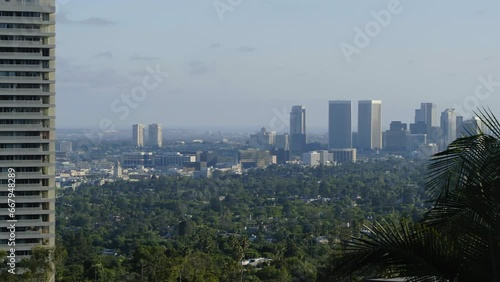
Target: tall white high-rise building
155,135
138,135
27,118
370,125
448,127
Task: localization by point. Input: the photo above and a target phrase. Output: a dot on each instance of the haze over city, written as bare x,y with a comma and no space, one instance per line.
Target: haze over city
243,66
249,140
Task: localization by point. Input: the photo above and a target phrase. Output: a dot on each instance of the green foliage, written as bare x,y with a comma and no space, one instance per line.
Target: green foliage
458,239
183,229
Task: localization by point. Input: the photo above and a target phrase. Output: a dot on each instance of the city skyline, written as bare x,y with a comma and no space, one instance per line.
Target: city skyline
283,120
208,73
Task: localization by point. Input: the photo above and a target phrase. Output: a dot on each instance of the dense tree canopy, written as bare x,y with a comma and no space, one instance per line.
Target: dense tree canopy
184,229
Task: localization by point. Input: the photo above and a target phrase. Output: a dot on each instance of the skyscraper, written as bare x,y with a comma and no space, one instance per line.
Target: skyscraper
155,135
339,125
427,113
27,118
396,137
138,135
448,127
370,125
298,129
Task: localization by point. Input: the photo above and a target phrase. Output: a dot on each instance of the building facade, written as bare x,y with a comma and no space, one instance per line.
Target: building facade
262,140
137,160
427,114
448,127
298,129
138,135
27,118
370,125
155,135
344,155
395,137
339,125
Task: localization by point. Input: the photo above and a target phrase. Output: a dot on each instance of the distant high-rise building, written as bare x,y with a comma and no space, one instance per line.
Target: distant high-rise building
138,135
155,135
419,127
282,142
64,146
425,118
117,170
460,126
370,124
427,113
414,141
263,140
339,125
395,137
27,116
448,127
298,129
471,127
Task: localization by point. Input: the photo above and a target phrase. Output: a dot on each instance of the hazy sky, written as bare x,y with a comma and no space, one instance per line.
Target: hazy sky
247,65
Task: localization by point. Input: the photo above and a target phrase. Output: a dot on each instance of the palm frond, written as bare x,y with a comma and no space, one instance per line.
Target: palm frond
468,161
402,250
489,120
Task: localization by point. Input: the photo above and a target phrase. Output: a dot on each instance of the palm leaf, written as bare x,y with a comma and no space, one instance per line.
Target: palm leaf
415,251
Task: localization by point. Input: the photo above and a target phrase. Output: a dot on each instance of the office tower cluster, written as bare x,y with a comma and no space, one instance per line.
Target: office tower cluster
428,134
342,142
155,135
27,134
279,148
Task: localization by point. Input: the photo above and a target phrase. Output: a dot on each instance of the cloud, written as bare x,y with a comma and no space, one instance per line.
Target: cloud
107,55
63,18
215,46
197,68
88,77
246,49
138,57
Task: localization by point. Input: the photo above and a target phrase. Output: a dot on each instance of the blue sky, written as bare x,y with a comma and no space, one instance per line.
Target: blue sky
249,67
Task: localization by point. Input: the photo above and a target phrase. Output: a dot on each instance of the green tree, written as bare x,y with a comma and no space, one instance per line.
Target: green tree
459,237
